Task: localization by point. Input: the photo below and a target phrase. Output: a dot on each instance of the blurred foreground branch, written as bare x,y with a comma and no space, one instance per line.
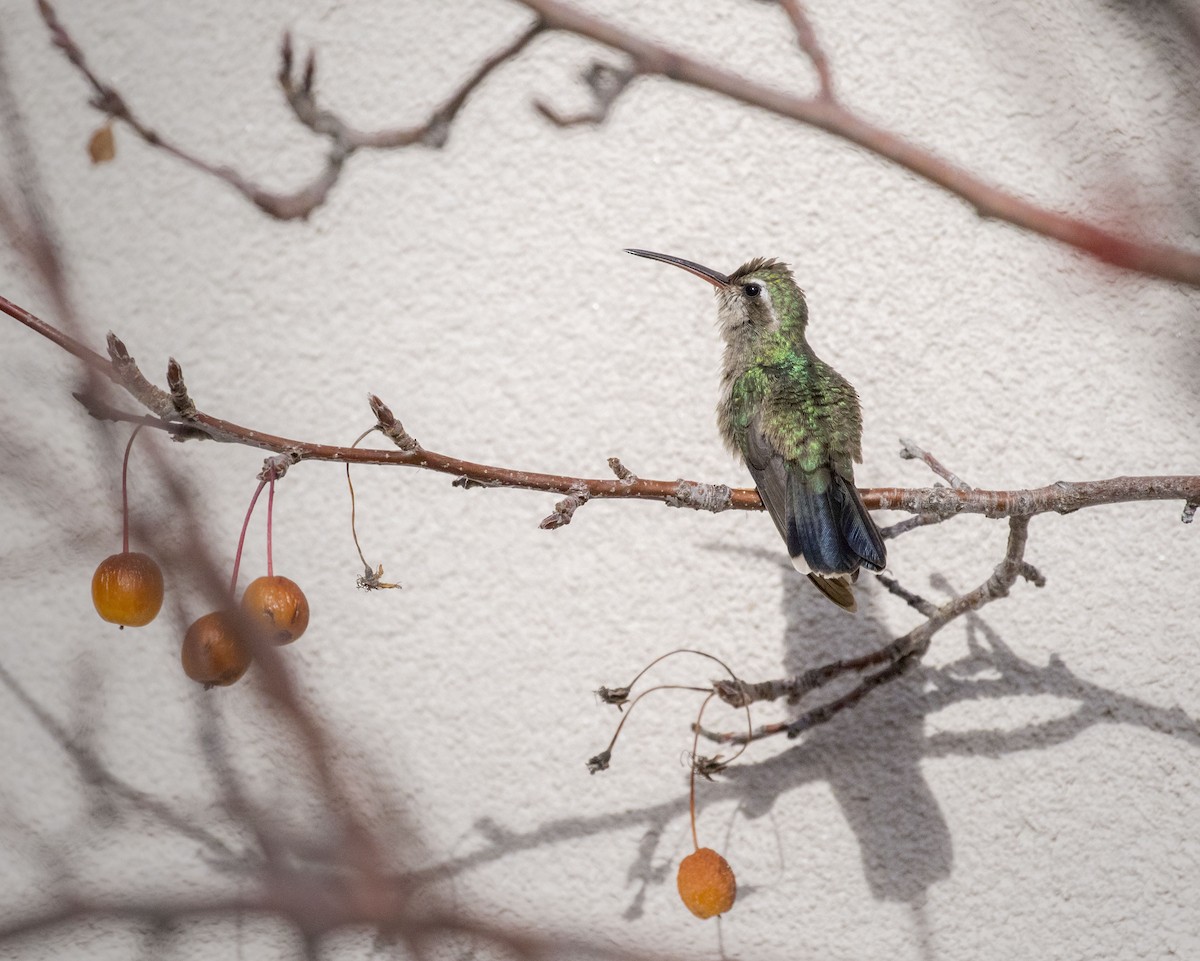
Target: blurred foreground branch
824,111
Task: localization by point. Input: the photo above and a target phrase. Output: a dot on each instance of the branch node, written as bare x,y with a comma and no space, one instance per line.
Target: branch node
706,767
701,497
624,474
736,693
133,380
606,83
565,509
392,428
469,483
277,465
180,401
599,763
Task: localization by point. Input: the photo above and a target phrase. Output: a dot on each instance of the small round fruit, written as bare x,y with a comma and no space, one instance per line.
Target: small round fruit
127,589
280,604
213,654
706,883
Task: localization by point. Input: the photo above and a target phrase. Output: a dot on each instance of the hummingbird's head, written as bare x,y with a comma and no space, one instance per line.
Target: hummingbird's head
761,296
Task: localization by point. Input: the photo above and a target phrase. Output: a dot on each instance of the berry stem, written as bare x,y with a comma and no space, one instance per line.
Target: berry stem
270,514
353,508
125,492
634,703
237,558
692,779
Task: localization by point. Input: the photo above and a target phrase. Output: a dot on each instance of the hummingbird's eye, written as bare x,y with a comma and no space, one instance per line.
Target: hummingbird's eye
752,290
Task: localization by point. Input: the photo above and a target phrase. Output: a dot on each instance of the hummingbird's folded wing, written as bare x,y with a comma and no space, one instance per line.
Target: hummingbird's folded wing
770,473
818,513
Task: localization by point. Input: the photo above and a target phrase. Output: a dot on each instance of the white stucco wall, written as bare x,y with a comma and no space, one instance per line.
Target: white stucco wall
482,292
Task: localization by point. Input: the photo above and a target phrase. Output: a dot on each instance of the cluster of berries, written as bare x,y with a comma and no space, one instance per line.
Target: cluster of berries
127,589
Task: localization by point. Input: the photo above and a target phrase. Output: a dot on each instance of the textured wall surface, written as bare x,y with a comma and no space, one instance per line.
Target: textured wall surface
1031,792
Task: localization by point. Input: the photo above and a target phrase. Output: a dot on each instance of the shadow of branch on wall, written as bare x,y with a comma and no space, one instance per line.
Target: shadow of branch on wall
871,758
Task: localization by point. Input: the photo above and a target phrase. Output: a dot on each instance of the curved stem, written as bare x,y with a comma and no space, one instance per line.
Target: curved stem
682,650
353,508
634,703
270,514
692,779
125,492
237,558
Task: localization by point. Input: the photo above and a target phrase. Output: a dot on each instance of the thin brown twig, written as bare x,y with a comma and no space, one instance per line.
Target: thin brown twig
910,451
1061,496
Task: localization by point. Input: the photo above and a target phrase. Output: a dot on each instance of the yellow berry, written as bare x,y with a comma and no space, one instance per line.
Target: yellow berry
127,589
281,606
706,883
213,654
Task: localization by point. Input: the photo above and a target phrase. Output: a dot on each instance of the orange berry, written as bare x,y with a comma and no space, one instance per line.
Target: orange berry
127,589
706,883
213,654
280,604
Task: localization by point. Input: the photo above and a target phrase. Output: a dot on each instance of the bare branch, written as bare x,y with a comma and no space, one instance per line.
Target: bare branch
915,601
943,502
825,113
910,451
898,657
300,92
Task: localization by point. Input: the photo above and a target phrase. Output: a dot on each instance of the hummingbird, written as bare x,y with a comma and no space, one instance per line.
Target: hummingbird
794,421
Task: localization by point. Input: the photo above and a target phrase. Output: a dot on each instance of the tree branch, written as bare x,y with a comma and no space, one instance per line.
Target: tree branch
897,658
300,92
823,111
826,113
1061,496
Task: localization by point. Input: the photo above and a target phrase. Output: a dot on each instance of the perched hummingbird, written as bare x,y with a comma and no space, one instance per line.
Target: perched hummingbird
794,421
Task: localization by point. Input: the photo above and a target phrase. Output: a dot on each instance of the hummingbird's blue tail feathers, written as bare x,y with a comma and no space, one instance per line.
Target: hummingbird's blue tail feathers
859,528
828,525
828,531
812,526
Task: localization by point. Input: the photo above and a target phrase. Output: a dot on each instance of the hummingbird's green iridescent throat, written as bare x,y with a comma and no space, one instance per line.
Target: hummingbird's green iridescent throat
794,421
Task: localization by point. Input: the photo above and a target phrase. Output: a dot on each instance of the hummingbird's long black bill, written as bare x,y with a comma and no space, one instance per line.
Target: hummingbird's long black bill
714,277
